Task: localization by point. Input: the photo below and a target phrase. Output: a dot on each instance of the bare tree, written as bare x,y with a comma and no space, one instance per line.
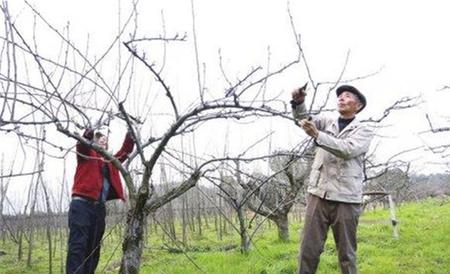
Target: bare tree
236,197
394,181
274,197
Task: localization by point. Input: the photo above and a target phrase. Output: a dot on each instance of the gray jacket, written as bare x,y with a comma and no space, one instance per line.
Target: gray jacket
337,171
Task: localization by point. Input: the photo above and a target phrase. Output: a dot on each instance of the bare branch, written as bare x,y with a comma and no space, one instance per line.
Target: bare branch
197,60
21,174
433,129
231,91
133,132
402,103
156,74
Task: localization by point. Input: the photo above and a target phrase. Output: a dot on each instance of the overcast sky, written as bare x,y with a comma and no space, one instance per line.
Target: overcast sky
406,41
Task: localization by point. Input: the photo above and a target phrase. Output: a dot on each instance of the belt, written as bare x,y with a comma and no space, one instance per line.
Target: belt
87,200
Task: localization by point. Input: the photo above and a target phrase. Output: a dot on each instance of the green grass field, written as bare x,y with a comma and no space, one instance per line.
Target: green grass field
423,247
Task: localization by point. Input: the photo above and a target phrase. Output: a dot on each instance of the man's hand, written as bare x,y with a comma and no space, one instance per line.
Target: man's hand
309,127
88,133
298,95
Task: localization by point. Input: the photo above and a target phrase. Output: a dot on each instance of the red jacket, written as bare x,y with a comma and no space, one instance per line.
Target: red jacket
88,181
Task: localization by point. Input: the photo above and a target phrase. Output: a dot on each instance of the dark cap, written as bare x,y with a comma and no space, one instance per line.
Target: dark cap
355,91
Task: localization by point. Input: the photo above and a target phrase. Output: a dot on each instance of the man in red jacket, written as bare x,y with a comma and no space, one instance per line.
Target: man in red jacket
96,181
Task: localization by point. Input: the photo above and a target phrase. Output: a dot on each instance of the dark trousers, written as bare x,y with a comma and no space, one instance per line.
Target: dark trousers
343,219
86,225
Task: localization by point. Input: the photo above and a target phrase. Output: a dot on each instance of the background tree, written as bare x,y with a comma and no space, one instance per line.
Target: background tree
275,195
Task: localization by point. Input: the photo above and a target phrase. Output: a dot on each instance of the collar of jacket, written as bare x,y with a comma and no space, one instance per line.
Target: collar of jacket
353,124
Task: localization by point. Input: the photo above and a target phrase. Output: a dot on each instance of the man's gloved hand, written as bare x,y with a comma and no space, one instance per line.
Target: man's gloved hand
298,96
88,133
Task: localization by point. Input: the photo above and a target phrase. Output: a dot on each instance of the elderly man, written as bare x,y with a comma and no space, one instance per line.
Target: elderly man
335,183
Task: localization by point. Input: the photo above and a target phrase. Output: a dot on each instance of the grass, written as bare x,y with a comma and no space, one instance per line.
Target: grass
423,247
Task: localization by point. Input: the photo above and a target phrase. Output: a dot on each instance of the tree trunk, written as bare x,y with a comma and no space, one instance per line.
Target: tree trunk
48,231
62,239
133,241
170,221
245,239
282,223
184,219
219,216
19,248
192,218
199,213
50,258
30,245
205,214
224,222
199,221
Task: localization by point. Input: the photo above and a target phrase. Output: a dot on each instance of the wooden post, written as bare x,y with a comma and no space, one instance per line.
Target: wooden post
393,218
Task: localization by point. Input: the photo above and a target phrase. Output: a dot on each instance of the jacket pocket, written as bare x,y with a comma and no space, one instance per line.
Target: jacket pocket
348,171
351,183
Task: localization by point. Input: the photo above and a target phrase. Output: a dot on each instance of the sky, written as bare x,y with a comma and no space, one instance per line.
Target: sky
405,42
